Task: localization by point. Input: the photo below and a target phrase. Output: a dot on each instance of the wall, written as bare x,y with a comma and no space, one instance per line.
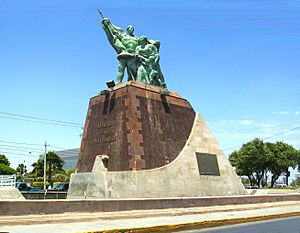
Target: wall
89,206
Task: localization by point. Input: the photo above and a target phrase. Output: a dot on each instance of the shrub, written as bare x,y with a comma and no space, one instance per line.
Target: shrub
39,184
40,179
55,183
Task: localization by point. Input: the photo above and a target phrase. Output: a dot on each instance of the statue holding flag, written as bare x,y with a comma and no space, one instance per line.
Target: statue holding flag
138,55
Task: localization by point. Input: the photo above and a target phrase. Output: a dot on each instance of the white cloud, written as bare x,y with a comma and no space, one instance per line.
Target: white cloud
268,130
269,125
246,122
283,112
231,134
235,121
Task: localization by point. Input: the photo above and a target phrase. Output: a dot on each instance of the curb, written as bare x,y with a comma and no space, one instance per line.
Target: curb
67,218
195,225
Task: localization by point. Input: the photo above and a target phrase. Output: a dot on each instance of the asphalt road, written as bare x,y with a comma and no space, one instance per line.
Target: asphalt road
282,225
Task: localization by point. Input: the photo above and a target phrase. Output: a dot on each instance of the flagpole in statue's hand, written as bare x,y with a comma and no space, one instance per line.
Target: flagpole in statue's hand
105,24
100,12
105,21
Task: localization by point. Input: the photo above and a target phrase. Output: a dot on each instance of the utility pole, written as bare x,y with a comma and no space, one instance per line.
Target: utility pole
45,165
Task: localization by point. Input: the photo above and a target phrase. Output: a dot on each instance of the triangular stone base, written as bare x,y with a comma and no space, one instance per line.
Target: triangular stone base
201,169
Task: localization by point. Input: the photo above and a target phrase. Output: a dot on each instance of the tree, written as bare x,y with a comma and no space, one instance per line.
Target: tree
256,159
38,168
22,169
6,170
252,160
238,160
54,165
4,160
283,157
69,173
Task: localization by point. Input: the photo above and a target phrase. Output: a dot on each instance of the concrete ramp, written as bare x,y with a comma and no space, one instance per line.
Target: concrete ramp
11,194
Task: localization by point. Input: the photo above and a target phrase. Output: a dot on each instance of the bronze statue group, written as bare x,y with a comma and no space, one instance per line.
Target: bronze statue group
138,55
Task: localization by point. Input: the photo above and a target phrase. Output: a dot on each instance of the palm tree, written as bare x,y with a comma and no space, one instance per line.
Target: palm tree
54,165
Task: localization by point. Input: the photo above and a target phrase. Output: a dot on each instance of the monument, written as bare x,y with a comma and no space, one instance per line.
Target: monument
141,140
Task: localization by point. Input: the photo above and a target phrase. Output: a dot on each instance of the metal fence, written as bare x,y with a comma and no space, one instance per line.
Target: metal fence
44,195
7,181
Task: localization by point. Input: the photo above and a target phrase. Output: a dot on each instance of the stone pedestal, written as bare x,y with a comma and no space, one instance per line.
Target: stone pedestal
137,126
145,142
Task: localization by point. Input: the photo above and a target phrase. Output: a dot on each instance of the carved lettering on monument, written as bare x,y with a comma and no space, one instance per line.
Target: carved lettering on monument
106,124
104,139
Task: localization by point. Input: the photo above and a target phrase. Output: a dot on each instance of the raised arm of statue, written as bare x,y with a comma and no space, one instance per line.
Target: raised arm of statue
113,34
105,25
117,31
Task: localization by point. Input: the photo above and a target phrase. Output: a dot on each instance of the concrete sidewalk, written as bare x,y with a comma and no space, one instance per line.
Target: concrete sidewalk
148,220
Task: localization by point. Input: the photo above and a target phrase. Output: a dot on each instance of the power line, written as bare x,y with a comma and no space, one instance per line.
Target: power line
256,128
289,130
16,149
63,153
1,152
31,144
19,147
30,150
39,118
71,157
22,143
61,148
75,155
68,155
42,122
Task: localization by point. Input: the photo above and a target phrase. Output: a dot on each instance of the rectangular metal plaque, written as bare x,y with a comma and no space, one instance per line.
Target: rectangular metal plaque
208,164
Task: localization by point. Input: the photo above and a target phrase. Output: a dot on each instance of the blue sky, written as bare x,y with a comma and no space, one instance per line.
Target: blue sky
237,62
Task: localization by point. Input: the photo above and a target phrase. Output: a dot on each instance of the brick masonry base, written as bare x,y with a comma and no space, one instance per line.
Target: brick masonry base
136,126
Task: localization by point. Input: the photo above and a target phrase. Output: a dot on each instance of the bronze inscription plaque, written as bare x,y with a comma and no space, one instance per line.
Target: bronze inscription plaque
208,164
